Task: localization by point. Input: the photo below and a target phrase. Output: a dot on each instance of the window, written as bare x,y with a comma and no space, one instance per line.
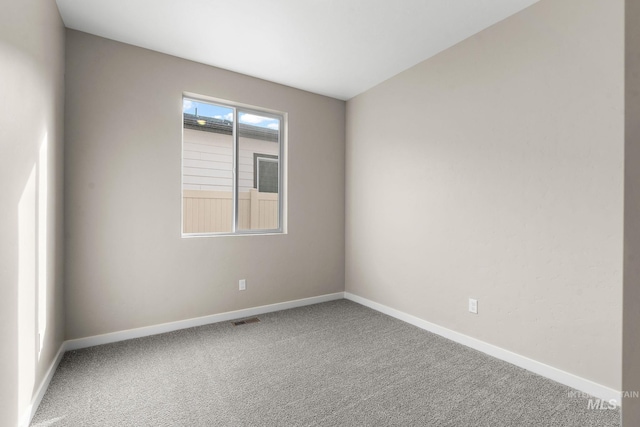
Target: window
232,169
265,173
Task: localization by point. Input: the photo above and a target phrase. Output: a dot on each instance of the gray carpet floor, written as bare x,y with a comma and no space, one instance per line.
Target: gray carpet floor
330,364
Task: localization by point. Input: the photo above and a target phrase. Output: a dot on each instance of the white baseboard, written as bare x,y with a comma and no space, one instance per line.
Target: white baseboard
76,344
198,321
26,418
570,380
581,384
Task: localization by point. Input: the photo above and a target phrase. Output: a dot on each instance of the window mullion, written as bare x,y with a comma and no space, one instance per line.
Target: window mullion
236,154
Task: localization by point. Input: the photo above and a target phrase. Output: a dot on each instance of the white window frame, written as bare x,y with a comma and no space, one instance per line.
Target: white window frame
282,149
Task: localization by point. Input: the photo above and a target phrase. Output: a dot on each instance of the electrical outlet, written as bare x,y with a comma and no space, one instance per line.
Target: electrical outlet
242,285
473,305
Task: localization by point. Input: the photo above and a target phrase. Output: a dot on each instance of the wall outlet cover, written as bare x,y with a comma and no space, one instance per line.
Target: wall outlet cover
473,305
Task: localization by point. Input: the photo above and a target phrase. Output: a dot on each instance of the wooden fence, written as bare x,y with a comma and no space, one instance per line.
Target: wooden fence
212,211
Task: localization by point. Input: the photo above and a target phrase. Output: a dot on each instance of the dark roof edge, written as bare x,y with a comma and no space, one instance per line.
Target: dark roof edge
225,127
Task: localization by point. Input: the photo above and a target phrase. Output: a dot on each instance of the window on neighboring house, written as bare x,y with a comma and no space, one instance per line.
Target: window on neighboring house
232,169
265,173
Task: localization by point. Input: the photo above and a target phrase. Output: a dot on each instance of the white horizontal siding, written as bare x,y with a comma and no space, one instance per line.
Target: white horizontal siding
189,171
203,155
207,160
221,148
246,159
216,157
245,168
206,164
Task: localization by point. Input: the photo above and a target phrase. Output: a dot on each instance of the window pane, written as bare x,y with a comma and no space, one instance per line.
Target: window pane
258,171
207,168
267,175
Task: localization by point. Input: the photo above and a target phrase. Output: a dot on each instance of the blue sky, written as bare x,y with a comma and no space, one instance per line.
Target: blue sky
216,111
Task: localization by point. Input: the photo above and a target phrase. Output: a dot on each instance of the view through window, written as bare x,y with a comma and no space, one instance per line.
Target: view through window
231,169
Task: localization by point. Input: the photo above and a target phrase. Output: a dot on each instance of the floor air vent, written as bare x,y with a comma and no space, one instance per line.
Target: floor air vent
245,321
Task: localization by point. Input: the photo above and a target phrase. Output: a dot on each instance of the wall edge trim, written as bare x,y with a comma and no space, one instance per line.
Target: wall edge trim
28,414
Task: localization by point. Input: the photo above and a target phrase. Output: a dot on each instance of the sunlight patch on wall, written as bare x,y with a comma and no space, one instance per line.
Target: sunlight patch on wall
33,214
43,195
26,292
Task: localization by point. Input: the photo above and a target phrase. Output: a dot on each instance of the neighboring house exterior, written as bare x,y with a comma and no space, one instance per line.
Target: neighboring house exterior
208,154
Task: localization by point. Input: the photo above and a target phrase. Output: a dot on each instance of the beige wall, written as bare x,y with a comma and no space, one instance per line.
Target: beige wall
31,116
127,266
503,181
631,311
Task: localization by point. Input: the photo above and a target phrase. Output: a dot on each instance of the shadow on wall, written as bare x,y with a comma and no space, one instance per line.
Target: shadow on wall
32,276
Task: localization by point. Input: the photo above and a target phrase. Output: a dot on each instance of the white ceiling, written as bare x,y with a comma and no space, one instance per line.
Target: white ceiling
338,48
